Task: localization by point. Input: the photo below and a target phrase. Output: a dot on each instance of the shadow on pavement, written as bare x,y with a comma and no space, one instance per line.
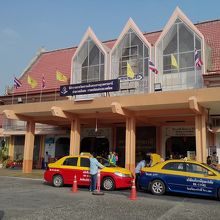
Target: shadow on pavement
1,214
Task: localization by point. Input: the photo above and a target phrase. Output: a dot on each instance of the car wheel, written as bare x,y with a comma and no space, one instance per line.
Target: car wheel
157,187
108,184
57,181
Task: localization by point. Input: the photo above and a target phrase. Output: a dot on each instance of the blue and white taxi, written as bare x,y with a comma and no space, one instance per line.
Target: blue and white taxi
181,176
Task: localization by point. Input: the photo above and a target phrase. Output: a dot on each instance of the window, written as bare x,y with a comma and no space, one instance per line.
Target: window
195,168
132,50
180,43
71,161
89,63
177,166
84,162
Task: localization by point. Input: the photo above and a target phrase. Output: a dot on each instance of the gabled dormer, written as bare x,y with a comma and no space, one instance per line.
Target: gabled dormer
89,63
133,48
175,54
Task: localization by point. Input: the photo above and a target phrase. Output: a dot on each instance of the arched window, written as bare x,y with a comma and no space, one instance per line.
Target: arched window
88,64
132,50
177,49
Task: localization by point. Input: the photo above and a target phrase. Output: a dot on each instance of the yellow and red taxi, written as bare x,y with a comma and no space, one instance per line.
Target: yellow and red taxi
63,171
181,176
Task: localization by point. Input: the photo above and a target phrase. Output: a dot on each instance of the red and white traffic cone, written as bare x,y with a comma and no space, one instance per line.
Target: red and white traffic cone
74,188
133,195
98,185
98,182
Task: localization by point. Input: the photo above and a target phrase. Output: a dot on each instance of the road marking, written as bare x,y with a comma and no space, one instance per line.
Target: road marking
172,210
23,178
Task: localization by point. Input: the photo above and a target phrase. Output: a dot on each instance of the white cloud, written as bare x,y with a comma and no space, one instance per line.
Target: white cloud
10,34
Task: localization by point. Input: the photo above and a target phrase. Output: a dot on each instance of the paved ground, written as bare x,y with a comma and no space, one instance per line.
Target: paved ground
23,198
17,172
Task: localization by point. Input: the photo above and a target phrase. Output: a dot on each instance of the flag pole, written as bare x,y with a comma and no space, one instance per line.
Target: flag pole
26,93
55,98
12,97
41,89
13,90
40,93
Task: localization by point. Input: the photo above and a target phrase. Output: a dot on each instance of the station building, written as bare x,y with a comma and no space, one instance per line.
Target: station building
174,112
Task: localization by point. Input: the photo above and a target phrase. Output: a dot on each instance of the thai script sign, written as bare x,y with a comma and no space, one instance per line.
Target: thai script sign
180,131
88,88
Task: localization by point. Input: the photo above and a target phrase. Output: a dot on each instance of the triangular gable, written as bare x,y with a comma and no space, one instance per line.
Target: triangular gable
179,14
91,34
131,25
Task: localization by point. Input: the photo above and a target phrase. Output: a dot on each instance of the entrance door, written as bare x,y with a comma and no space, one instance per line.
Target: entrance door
178,146
62,147
95,144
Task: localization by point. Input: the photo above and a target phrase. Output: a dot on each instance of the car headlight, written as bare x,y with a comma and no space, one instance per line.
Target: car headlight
122,174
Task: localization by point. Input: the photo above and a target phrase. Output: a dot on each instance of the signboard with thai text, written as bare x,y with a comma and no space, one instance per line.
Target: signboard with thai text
89,88
180,131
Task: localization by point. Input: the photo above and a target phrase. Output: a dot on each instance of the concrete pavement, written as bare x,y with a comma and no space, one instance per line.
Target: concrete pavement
25,199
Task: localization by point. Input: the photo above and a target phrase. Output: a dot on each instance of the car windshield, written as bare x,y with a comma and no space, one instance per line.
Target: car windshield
105,162
212,167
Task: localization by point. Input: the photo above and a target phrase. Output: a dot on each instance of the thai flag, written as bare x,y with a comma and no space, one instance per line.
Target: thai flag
198,60
17,83
152,67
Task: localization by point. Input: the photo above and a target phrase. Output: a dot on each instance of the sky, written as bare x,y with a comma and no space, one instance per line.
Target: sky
28,25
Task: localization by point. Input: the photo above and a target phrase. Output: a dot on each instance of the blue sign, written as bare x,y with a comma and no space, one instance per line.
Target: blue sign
88,88
138,76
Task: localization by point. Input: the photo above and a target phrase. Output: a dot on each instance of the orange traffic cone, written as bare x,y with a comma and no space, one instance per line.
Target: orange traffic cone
133,195
74,188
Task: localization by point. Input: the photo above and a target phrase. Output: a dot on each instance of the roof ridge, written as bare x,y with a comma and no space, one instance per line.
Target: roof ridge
208,21
144,33
55,50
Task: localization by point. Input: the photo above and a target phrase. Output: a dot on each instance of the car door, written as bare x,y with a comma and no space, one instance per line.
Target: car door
84,167
173,174
200,180
69,169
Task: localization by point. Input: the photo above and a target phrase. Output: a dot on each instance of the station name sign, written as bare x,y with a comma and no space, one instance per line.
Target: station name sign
88,88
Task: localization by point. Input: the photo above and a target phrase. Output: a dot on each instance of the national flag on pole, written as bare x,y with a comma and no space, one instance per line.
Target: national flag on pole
60,76
174,62
17,83
152,67
32,82
130,72
43,82
198,60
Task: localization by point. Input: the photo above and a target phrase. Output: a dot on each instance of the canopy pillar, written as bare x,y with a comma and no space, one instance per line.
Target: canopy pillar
200,129
28,147
130,144
11,148
75,137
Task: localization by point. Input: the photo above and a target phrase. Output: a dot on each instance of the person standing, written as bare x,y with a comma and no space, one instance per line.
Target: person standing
113,158
143,163
209,160
94,166
214,159
46,159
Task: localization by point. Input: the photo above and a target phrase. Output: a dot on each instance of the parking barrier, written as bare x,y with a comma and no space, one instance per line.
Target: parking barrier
74,188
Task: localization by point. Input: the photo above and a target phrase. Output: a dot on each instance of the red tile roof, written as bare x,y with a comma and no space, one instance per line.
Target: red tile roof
48,62
211,32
